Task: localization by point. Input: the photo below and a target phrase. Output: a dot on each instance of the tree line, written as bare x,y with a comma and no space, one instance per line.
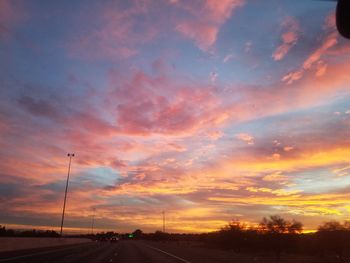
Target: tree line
27,233
273,235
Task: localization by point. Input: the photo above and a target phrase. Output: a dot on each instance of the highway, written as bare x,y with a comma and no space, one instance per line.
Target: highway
132,251
122,252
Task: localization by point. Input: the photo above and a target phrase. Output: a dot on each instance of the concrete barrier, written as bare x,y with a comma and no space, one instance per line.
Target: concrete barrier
19,243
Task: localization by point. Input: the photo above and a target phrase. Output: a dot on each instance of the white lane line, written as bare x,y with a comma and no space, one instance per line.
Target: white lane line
171,255
36,254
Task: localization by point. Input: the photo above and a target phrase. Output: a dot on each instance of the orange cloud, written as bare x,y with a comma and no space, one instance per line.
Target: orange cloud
322,204
276,177
288,148
326,157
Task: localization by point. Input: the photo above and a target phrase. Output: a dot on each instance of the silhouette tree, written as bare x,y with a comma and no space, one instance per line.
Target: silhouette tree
137,233
2,231
277,225
233,235
335,237
279,233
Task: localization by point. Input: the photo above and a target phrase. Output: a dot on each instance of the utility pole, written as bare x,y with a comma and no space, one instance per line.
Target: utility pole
93,221
163,221
70,155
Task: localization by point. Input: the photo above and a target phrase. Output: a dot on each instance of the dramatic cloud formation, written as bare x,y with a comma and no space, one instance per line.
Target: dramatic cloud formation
143,106
176,106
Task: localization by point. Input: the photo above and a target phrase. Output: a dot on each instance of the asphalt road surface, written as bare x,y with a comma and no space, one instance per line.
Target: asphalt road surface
121,252
132,251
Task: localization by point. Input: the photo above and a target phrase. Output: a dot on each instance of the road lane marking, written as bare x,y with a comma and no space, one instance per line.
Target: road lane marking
171,255
38,254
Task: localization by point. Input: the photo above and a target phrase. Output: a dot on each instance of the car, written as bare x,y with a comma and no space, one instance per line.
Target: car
114,239
103,239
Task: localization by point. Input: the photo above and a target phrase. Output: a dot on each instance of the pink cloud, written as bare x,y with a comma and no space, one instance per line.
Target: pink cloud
321,68
330,22
118,164
177,147
245,137
122,32
292,76
313,61
329,41
7,11
213,76
221,10
289,38
10,14
204,35
143,107
308,91
228,57
204,22
115,33
215,135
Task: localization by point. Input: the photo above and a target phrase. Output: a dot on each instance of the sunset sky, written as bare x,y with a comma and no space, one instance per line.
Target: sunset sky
211,110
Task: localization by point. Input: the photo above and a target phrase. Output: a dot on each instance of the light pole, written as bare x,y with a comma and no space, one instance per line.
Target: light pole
70,155
93,221
163,221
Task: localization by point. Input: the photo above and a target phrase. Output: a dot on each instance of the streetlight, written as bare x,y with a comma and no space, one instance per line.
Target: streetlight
93,221
70,155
